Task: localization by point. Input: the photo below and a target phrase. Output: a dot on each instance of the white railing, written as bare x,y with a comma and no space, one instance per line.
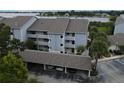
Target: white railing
32,35
37,36
69,38
69,45
41,43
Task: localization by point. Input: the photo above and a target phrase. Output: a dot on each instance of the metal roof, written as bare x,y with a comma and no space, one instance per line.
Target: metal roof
16,22
55,59
60,25
117,39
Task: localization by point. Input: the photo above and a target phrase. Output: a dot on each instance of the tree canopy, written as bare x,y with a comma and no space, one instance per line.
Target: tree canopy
4,38
80,50
99,46
29,44
12,69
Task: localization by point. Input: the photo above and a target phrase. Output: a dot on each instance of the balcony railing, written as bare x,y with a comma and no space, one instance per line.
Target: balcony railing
69,45
32,35
41,43
69,38
42,36
37,36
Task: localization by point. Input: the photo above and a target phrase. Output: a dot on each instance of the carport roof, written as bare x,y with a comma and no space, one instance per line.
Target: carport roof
117,39
55,59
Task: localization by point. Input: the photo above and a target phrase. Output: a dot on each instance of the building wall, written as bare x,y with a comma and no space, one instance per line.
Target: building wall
119,28
55,43
24,28
80,39
16,34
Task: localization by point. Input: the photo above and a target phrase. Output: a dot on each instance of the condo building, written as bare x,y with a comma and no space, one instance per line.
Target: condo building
61,35
118,38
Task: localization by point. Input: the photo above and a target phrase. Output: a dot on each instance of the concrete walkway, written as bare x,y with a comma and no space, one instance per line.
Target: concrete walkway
109,58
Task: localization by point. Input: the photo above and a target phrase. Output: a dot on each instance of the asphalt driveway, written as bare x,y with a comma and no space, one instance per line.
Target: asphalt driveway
111,71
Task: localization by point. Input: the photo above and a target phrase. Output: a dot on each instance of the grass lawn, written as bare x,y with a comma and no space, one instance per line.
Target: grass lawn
106,29
103,28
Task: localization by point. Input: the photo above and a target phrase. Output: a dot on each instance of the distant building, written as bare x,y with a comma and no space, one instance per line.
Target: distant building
19,26
118,38
62,35
119,25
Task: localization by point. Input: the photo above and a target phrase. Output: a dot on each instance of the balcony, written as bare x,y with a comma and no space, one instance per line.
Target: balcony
41,43
69,45
32,35
37,36
69,38
42,36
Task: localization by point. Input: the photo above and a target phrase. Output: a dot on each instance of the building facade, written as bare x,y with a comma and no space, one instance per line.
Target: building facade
61,35
118,38
19,26
119,25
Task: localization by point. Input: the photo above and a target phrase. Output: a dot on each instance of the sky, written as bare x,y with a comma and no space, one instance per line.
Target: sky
61,5
10,5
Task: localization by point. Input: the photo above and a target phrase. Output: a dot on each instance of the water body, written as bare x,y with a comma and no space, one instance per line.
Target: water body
91,19
9,15
97,19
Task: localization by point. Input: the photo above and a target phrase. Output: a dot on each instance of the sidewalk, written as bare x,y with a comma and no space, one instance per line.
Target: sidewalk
109,58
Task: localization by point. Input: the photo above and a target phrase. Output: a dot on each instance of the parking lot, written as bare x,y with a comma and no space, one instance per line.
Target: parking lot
111,71
108,72
53,76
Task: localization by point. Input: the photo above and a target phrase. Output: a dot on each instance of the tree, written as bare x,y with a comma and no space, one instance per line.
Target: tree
97,35
98,49
92,35
29,44
15,45
80,50
113,18
12,69
4,38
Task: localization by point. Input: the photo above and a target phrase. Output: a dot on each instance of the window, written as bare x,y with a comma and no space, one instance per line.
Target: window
73,34
11,33
45,33
72,50
61,52
32,32
73,42
67,34
67,41
50,47
45,40
61,44
61,36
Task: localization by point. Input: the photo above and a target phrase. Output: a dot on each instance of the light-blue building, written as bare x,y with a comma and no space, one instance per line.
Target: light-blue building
61,35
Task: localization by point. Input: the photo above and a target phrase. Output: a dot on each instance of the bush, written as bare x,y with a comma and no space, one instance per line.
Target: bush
80,50
32,80
29,44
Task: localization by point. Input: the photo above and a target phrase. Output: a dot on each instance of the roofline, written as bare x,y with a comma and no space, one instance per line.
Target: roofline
56,53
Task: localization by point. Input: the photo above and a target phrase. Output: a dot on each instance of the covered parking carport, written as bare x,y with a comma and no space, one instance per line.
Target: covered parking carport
64,61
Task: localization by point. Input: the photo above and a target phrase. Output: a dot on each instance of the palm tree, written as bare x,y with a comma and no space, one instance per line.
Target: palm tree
98,49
